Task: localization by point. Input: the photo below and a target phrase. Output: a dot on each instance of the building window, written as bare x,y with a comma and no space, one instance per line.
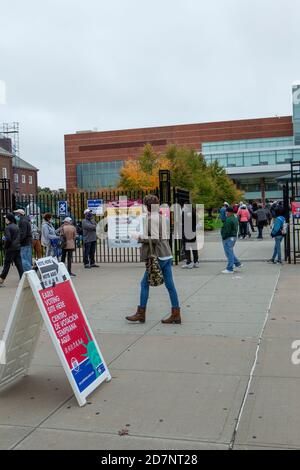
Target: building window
23,178
4,173
30,179
16,177
94,176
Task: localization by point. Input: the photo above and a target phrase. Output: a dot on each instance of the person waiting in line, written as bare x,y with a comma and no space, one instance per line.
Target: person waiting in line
243,217
251,220
49,236
222,213
261,220
155,241
12,247
229,233
25,238
89,227
67,232
36,239
278,234
189,237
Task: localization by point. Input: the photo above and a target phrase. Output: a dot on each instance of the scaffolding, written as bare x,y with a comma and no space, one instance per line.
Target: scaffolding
11,131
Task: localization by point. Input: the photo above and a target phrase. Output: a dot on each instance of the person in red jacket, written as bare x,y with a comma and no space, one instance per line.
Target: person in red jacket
244,217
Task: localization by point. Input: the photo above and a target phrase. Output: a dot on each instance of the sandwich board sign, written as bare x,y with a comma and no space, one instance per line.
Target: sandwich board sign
58,307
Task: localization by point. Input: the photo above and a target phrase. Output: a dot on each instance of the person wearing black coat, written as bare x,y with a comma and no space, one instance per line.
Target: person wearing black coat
189,237
25,239
12,247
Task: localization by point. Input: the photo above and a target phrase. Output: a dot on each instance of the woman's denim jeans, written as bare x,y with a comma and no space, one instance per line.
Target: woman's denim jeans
166,267
277,248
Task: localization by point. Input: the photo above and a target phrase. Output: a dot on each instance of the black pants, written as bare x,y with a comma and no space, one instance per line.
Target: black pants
69,255
13,256
188,252
260,226
89,250
243,229
189,258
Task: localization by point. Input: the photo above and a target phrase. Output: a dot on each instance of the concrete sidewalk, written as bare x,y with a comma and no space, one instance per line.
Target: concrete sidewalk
173,387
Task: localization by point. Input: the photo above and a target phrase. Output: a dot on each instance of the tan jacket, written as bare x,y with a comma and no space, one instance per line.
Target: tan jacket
69,231
157,229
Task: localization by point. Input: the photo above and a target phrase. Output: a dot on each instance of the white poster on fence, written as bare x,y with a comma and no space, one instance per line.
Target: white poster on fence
125,224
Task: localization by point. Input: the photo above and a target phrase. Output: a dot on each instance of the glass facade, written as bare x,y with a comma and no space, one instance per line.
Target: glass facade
97,175
296,113
252,188
253,152
249,144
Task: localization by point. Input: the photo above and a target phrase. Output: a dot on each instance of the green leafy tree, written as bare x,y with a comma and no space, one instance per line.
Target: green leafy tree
208,183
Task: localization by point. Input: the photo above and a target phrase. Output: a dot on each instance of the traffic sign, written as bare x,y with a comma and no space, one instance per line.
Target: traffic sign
62,208
96,206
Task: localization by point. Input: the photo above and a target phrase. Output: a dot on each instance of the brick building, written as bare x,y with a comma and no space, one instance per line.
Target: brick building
25,180
254,151
22,175
6,167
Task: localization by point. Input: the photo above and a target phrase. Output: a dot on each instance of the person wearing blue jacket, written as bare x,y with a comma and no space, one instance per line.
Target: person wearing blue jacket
277,234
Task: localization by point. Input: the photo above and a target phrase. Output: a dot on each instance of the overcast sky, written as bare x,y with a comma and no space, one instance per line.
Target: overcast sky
112,64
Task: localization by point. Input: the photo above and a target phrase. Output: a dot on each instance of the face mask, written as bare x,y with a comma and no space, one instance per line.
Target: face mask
17,218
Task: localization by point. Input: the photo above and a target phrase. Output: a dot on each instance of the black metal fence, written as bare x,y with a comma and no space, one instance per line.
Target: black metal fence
43,203
5,206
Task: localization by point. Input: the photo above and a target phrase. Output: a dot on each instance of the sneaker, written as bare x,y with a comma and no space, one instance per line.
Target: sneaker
95,266
188,266
72,275
226,271
87,266
197,265
272,261
239,267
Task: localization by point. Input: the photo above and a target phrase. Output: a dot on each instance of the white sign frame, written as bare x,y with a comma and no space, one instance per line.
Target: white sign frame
30,279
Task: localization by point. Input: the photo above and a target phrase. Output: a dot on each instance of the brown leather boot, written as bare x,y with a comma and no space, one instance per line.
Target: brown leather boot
174,318
140,316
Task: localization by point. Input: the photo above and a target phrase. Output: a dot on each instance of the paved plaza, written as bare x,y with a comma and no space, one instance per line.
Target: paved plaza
223,379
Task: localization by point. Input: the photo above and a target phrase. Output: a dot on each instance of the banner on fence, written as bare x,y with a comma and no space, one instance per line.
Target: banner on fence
125,224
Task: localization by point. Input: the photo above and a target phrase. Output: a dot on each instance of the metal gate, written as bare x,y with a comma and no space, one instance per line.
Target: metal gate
5,206
77,202
291,195
180,197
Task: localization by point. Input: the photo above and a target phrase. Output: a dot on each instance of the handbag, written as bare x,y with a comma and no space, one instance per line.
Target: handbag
62,241
155,275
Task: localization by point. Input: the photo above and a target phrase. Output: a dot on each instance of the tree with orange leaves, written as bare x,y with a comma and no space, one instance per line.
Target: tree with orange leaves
143,173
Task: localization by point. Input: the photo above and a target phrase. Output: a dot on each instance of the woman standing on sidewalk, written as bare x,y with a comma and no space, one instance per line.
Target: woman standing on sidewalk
277,234
162,250
68,232
244,217
48,235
